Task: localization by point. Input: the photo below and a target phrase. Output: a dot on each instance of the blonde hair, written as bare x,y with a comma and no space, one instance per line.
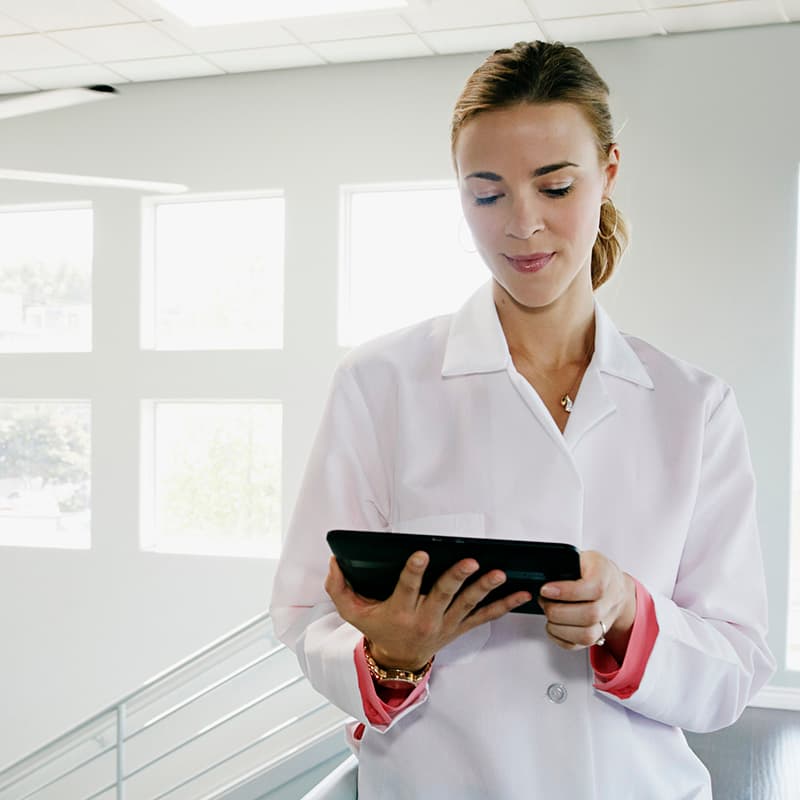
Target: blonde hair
542,72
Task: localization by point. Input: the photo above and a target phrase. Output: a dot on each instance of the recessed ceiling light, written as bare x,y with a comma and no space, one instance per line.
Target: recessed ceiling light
200,13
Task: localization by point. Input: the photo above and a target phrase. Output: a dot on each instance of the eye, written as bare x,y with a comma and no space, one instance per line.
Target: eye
488,200
562,191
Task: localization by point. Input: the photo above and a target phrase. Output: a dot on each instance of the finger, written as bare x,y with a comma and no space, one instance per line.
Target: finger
578,635
448,585
574,614
595,574
495,610
469,597
406,592
335,582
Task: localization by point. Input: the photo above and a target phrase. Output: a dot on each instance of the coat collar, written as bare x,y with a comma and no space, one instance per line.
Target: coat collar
476,343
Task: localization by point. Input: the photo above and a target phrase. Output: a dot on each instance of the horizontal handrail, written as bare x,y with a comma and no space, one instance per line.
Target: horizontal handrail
69,771
214,725
203,692
264,736
158,678
221,791
49,761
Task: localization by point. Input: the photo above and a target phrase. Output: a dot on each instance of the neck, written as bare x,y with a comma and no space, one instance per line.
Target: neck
550,337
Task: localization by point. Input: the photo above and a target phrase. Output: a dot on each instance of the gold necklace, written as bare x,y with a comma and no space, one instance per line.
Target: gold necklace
567,400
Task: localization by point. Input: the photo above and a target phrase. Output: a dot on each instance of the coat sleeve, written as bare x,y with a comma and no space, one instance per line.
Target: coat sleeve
347,484
711,656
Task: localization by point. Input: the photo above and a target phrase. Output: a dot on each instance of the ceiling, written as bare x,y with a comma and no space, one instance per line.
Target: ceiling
47,44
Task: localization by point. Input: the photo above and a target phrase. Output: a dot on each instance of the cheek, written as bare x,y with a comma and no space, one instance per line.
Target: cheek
579,220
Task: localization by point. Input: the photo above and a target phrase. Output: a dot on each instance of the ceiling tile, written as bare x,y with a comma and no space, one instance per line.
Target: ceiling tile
64,77
121,42
471,40
52,15
738,13
351,26
159,69
293,55
562,9
33,51
609,26
9,27
444,14
10,85
377,49
227,37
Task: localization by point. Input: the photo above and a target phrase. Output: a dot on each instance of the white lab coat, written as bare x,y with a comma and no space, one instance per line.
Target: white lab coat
432,429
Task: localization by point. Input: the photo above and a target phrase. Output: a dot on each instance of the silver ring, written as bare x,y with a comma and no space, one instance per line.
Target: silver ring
602,640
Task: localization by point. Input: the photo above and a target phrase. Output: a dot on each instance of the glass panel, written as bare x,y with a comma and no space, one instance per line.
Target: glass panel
408,256
218,278
46,280
218,478
44,474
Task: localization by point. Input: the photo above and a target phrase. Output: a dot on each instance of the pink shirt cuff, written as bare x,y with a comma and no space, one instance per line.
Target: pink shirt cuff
382,705
622,680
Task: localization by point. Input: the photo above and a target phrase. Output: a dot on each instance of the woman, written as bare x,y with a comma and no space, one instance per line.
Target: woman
528,415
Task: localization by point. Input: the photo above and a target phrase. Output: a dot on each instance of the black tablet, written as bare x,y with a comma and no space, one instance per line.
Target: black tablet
372,562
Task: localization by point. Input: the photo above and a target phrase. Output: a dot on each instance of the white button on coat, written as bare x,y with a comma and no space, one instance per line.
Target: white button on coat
432,429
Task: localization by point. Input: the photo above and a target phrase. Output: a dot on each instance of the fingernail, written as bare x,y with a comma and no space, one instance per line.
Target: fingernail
496,580
550,591
418,561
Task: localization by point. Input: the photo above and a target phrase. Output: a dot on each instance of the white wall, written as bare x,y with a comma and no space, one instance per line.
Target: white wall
709,179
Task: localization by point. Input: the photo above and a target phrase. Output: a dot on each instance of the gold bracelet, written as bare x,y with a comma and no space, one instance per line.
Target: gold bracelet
393,677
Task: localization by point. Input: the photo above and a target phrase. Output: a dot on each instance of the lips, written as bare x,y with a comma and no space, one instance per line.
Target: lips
532,262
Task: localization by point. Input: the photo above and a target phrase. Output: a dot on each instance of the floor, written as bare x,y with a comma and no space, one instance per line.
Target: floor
758,758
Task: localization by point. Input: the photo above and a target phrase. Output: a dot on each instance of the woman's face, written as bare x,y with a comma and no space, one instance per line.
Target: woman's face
531,187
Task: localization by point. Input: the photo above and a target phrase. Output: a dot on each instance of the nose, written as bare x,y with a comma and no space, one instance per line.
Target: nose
524,219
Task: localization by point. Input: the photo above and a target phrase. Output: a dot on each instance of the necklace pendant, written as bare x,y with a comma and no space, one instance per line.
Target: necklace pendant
566,403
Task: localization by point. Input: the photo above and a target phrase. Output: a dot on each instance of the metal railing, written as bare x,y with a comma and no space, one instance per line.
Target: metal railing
236,708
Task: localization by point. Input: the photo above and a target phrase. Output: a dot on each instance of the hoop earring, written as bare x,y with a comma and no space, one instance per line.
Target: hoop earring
465,237
613,232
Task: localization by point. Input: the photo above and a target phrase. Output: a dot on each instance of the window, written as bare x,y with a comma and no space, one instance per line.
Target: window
44,474
216,483
213,273
46,279
406,255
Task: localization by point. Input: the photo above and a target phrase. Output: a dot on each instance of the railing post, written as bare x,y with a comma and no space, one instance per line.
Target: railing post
121,751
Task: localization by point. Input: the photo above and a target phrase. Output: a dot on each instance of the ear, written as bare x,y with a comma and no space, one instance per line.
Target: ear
610,170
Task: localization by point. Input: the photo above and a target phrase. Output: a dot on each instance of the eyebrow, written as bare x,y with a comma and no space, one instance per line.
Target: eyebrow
537,173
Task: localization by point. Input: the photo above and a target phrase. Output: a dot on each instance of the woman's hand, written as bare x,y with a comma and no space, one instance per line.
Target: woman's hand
406,630
574,609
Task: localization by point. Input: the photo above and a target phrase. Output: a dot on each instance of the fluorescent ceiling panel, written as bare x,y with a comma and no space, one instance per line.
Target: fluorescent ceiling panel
228,37
212,12
447,14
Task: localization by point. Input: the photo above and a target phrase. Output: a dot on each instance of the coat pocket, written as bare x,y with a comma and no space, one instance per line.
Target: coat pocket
466,647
